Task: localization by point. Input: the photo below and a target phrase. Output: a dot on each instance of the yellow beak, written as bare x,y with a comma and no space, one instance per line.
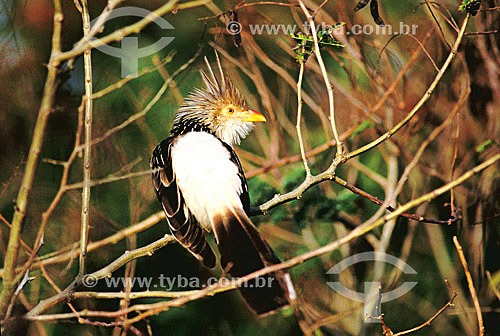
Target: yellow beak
251,115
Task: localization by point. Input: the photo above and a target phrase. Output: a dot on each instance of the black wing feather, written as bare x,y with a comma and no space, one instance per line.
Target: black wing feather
182,223
244,197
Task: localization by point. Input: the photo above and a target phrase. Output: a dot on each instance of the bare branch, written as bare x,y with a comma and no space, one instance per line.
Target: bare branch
299,118
153,309
85,223
472,290
151,103
106,271
119,34
433,317
422,100
325,76
71,251
46,106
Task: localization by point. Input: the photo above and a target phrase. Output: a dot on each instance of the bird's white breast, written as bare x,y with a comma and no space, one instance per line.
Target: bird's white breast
207,178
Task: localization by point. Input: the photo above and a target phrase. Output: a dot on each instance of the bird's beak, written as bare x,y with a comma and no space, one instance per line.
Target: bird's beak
251,115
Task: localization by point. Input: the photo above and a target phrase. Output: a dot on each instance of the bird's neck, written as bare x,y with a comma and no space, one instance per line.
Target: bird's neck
231,133
185,125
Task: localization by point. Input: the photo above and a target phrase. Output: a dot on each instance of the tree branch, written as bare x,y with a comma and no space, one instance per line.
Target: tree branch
472,290
325,76
153,309
46,107
71,251
87,155
90,280
422,100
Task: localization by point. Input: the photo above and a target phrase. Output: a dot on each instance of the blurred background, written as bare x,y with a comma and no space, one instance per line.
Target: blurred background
377,78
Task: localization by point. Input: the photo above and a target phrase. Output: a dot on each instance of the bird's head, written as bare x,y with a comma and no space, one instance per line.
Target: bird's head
219,109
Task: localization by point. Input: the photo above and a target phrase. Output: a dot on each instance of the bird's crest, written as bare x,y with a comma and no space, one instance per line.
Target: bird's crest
224,90
206,109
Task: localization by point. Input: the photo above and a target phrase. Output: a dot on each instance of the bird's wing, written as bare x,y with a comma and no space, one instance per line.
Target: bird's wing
267,253
182,223
244,197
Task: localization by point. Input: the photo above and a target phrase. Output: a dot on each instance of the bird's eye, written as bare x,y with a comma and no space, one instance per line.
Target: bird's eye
230,110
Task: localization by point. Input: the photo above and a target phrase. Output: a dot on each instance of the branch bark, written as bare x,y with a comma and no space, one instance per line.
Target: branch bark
51,83
153,309
87,155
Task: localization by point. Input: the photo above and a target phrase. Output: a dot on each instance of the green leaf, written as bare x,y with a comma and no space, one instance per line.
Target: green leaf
305,46
470,6
483,146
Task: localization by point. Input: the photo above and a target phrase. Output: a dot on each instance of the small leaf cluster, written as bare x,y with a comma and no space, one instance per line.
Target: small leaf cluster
305,42
470,6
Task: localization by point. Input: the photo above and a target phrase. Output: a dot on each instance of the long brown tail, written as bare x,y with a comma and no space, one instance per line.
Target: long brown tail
243,251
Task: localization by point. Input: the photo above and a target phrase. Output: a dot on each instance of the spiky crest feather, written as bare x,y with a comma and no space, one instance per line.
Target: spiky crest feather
201,109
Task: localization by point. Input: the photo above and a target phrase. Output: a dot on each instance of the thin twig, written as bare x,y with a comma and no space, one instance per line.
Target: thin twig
71,252
57,289
91,279
319,8
109,179
325,76
454,162
119,34
151,103
119,84
375,200
299,119
490,9
153,309
26,246
433,317
482,33
399,77
472,290
449,19
422,100
246,5
46,107
429,57
438,24
87,155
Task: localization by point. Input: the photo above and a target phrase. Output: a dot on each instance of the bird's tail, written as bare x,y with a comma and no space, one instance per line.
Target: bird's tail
243,251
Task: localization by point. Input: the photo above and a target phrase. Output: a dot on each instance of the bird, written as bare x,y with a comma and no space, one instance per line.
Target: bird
201,185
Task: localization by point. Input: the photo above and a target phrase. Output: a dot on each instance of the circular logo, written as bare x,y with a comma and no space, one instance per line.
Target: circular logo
233,27
89,280
372,294
130,52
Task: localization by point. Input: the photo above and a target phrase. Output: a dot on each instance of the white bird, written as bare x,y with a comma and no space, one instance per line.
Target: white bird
202,187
